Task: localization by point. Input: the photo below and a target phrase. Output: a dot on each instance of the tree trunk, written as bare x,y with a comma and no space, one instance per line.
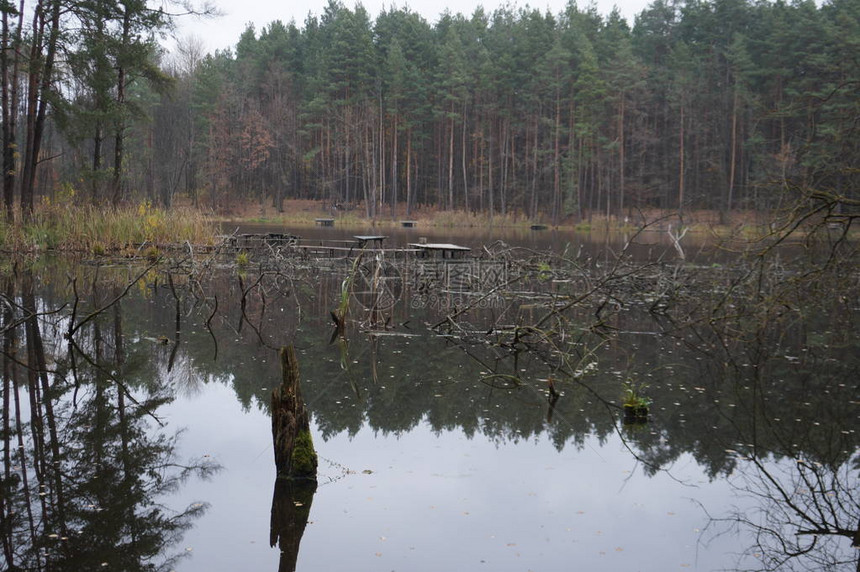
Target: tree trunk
621,158
556,160
681,162
465,173
119,138
9,103
394,167
451,166
490,187
295,457
733,160
40,76
408,173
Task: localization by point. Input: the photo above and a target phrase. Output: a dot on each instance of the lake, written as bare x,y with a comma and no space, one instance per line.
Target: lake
469,416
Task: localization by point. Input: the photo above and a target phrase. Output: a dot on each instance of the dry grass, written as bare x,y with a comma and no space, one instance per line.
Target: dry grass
102,230
304,212
98,230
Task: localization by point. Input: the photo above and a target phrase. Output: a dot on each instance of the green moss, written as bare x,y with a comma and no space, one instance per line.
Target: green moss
304,459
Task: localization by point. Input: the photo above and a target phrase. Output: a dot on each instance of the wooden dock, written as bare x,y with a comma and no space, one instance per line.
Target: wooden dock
446,250
332,251
237,242
374,240
285,244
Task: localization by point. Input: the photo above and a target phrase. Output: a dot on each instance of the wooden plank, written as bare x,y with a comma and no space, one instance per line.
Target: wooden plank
363,239
441,246
446,249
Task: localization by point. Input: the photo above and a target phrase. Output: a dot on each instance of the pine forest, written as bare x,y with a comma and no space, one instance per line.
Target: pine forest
719,105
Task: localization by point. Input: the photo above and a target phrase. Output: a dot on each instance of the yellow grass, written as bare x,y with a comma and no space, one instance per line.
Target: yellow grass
102,230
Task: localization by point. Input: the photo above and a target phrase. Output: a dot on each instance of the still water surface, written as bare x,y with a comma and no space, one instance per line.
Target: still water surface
431,460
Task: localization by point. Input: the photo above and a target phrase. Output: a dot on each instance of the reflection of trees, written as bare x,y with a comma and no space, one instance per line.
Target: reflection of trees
391,382
728,383
85,463
805,516
794,455
733,367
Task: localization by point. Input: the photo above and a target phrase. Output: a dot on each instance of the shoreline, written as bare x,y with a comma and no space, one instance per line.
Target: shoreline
126,231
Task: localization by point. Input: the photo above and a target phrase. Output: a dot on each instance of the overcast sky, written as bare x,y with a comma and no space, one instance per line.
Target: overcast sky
223,32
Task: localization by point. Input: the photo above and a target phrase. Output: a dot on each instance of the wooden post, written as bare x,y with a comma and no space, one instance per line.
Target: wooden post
295,457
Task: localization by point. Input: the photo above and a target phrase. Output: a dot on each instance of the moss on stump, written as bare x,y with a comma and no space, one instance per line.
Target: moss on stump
304,461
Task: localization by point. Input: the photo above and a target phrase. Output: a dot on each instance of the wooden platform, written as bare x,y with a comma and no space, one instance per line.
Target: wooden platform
332,251
252,241
285,243
374,240
324,221
446,250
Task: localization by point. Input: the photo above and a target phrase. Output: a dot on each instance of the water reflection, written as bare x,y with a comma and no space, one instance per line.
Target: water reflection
87,464
805,516
291,506
795,462
768,406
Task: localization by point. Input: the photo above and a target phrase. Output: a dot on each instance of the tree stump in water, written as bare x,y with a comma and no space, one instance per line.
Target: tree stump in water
295,457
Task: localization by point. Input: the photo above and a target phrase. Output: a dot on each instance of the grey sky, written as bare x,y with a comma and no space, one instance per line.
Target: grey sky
223,32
